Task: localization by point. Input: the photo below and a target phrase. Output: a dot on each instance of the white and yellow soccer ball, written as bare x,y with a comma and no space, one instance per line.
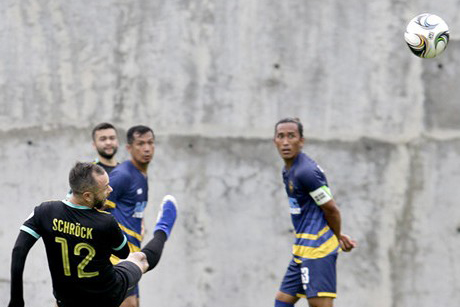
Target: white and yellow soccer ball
427,35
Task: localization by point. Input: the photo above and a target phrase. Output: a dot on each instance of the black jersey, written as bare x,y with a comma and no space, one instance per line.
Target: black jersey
79,241
107,168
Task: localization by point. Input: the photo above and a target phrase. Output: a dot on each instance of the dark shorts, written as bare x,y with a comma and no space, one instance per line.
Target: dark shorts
127,275
311,277
131,274
133,291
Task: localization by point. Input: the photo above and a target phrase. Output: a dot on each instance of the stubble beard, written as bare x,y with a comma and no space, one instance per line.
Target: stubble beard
99,203
103,154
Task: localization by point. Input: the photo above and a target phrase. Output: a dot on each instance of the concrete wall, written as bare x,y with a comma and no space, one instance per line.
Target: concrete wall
212,78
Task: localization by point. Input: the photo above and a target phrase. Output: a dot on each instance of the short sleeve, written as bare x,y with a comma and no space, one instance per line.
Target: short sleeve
311,179
315,183
118,239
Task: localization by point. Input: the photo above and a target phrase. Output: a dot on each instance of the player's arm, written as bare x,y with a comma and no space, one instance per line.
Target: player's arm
21,249
323,198
316,184
332,216
120,247
123,252
334,221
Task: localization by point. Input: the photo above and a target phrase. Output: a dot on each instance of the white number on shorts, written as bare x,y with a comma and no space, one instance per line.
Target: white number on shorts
305,277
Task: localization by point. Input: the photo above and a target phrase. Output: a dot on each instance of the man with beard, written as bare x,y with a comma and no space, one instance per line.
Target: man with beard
128,200
79,240
105,141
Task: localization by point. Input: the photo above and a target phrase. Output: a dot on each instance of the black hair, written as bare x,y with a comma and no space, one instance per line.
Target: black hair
294,120
81,177
102,126
140,129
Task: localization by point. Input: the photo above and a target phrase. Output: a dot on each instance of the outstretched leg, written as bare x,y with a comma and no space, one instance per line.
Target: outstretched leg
165,222
150,255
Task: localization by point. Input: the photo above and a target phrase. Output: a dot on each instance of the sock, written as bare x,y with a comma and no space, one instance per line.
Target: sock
154,248
282,304
167,215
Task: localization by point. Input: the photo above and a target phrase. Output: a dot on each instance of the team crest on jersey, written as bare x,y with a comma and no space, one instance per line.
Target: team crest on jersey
291,186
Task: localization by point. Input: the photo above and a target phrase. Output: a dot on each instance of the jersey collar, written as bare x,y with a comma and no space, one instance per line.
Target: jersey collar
68,203
296,161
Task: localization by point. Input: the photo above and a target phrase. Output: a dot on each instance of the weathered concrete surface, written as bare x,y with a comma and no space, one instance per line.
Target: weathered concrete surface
203,65
211,78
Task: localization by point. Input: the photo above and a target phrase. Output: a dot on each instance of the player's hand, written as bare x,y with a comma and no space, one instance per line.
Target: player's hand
347,243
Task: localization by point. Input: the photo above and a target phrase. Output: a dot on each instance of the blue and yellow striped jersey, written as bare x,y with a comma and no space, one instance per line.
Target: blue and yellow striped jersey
128,200
313,237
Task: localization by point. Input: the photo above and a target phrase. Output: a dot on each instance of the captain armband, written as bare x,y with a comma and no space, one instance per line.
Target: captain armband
321,195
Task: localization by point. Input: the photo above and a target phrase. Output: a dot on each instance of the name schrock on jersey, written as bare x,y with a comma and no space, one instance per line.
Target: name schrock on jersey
78,242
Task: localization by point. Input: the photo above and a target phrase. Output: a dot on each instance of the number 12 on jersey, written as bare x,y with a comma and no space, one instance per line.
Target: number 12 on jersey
77,251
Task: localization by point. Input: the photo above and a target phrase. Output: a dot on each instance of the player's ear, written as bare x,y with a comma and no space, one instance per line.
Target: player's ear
87,196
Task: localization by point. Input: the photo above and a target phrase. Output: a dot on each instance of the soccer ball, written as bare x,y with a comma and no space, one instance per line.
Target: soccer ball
427,35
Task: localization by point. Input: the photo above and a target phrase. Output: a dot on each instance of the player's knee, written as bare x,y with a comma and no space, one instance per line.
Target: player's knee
320,302
130,301
286,298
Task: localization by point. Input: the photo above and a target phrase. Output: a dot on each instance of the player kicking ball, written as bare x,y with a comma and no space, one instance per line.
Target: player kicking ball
79,239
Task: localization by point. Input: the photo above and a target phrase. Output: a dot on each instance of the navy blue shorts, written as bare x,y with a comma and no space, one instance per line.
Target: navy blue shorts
311,277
